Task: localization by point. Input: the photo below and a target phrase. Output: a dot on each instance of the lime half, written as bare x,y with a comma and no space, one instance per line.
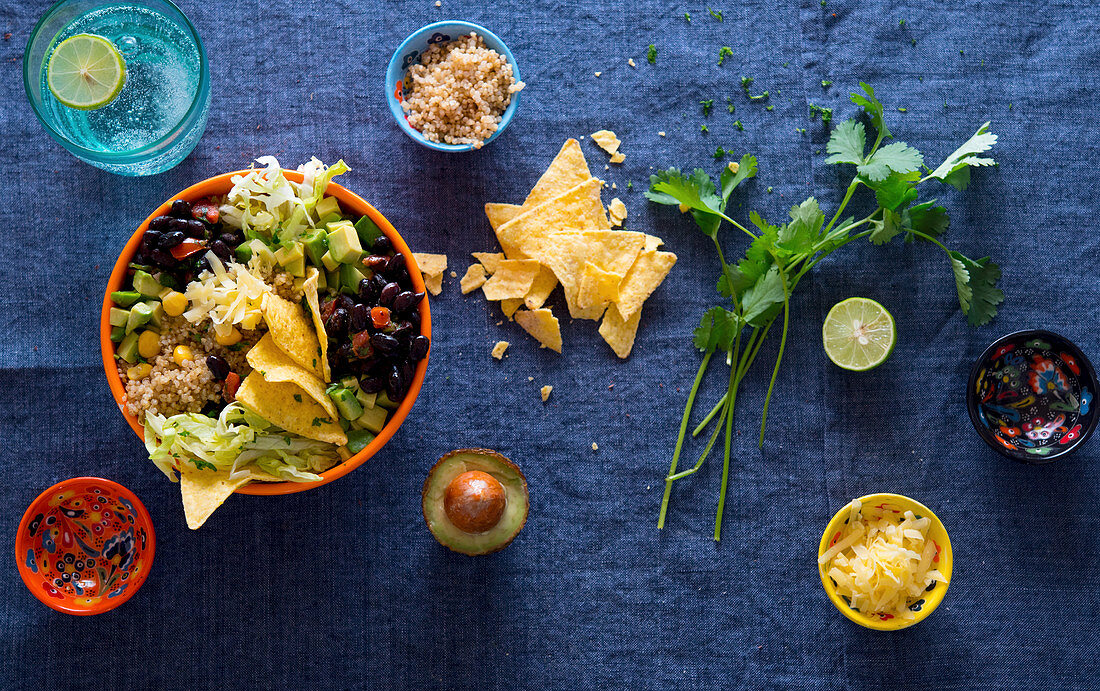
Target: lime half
86,72
859,334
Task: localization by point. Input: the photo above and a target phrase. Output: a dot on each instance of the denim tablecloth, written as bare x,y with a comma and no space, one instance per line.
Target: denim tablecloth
343,587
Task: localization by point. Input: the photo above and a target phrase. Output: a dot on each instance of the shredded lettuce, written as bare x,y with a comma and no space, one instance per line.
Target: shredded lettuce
236,439
268,206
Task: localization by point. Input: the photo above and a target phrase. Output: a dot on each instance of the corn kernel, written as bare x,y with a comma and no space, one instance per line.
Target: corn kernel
139,371
251,321
182,354
174,304
231,338
148,344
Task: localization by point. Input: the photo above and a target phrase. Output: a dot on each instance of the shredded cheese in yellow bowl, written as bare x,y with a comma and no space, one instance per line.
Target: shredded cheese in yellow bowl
885,561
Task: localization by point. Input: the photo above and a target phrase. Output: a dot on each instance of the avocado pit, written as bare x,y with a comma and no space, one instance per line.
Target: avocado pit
474,501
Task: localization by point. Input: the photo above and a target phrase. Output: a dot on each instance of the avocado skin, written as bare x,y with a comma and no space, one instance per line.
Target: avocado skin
494,457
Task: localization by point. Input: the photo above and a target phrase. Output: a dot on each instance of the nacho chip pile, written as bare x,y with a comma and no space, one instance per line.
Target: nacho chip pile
561,235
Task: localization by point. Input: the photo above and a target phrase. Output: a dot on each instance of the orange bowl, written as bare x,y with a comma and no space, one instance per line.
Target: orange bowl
349,201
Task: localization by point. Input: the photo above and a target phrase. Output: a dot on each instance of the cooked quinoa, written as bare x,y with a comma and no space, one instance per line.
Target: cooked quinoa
459,91
171,388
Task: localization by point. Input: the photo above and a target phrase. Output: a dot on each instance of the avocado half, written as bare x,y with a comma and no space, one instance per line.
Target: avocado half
516,502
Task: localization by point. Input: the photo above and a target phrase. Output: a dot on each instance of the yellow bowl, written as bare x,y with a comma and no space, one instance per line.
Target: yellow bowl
894,503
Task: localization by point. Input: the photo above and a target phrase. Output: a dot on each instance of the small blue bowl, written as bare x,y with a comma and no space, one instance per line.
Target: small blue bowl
409,52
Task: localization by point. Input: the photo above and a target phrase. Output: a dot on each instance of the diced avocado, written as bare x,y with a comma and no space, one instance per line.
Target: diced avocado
343,243
373,419
350,383
330,218
367,230
117,334
147,285
315,244
134,266
479,522
385,401
156,317
332,278
346,403
297,267
243,252
367,399
358,439
119,317
140,314
170,283
125,298
330,264
350,275
289,253
327,205
345,424
322,280
128,349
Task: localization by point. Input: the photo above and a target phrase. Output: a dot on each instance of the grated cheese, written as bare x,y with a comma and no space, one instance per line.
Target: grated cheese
880,564
228,296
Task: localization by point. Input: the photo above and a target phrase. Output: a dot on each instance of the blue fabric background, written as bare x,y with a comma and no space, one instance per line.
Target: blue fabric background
343,587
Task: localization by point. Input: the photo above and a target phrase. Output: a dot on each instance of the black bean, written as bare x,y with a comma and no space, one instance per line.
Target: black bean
337,324
218,367
408,369
385,343
395,385
359,317
382,245
388,294
344,302
221,250
203,265
160,223
414,319
170,239
404,301
181,209
230,239
163,259
419,348
379,282
403,332
196,229
368,293
372,384
395,264
376,262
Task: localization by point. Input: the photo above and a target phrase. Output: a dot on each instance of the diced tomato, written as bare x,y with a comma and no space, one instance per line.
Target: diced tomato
186,248
360,343
380,316
327,308
205,210
232,383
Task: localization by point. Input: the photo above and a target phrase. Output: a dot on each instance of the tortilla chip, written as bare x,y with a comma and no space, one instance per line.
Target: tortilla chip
652,242
541,288
567,170
434,284
618,157
430,264
499,348
566,254
499,214
620,334
293,333
510,306
513,278
310,288
204,491
617,210
545,392
255,473
649,270
597,287
275,366
275,402
543,325
606,140
577,209
474,278
490,260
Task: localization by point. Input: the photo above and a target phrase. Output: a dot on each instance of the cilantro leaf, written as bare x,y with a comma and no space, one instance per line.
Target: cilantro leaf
651,53
799,235
925,218
723,53
976,282
847,142
885,229
671,187
761,302
897,191
731,178
717,330
898,157
964,157
872,107
202,465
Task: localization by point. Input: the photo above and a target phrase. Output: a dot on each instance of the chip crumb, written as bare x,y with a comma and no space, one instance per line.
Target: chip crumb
595,446
607,140
439,3
606,167
631,62
545,391
617,211
599,73
500,323
474,279
614,186
530,379
618,157
454,274
499,348
660,134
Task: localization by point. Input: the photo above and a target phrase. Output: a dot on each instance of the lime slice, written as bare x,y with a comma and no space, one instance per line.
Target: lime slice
86,72
859,334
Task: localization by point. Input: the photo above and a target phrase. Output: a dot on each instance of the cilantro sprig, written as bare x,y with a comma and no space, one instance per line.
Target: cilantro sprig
757,288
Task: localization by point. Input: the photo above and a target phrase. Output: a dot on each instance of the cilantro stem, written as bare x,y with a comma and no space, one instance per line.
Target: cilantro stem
706,452
680,438
779,356
930,239
728,443
847,196
742,368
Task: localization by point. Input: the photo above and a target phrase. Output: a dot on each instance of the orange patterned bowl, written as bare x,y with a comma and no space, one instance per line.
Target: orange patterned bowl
85,545
349,201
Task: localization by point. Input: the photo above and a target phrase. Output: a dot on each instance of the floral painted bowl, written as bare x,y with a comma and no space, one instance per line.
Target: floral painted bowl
409,52
85,545
1031,396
